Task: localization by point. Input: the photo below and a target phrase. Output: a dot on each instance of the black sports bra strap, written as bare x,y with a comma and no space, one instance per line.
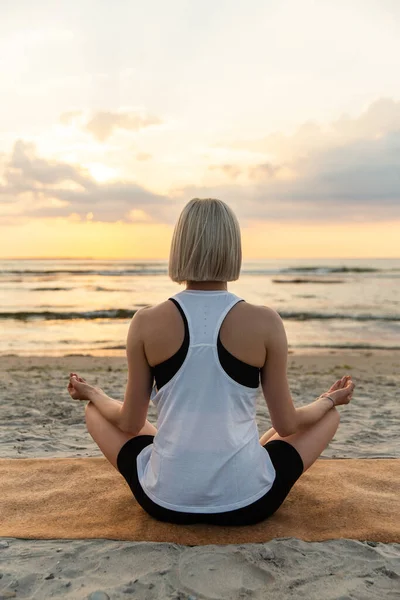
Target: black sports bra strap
241,372
165,370
185,322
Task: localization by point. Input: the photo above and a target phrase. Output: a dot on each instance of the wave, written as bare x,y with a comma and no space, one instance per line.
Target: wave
348,346
119,347
333,270
104,273
123,313
308,281
309,316
47,315
156,270
94,288
99,288
50,289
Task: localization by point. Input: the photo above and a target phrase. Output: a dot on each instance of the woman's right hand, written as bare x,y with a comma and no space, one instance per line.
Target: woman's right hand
341,391
79,389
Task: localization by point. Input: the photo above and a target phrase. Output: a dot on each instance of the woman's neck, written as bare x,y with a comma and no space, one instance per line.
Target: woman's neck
207,285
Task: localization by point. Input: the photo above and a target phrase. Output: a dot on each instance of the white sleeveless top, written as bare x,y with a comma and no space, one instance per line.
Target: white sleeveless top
206,456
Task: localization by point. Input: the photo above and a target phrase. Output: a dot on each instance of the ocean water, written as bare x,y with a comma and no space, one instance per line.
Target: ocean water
59,307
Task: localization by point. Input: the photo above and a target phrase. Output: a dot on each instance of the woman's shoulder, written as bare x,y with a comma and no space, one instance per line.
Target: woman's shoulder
268,320
156,316
155,309
259,310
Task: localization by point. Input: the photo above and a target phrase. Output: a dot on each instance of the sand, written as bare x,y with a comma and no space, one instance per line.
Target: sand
38,418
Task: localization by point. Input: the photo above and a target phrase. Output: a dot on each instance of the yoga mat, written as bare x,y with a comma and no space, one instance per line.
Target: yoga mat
87,498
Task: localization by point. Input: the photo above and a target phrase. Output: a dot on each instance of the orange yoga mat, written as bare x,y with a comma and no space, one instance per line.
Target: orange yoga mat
81,498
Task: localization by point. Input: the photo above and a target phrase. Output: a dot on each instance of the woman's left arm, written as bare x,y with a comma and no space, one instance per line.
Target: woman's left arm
129,416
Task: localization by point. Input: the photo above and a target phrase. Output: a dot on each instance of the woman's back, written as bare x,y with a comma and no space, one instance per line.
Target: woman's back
206,455
240,333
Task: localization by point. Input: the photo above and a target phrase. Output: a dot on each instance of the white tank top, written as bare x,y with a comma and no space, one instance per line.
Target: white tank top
206,456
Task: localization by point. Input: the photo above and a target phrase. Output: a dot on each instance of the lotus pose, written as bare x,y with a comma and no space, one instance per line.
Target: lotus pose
208,351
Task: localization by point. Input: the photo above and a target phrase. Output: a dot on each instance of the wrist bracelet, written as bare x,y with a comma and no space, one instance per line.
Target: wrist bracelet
330,398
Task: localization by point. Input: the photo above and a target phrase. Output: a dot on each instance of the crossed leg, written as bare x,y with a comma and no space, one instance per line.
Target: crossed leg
109,438
310,442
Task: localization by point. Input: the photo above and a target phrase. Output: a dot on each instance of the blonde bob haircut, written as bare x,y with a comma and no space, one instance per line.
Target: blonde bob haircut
206,243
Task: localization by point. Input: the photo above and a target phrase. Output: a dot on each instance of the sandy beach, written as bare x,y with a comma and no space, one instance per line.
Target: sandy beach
39,419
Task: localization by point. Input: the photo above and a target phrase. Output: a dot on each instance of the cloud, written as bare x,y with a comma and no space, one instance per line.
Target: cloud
264,170
142,156
103,124
349,169
357,181
254,172
380,118
50,188
69,117
231,171
26,169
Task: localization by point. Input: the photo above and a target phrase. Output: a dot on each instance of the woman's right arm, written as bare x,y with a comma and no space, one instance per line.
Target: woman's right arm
285,417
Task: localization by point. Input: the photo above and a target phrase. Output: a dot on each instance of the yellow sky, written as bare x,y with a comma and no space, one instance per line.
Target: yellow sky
49,238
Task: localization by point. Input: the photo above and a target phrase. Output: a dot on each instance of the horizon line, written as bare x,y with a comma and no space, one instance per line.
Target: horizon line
166,259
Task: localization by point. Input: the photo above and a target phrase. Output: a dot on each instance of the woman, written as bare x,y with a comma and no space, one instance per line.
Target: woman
208,351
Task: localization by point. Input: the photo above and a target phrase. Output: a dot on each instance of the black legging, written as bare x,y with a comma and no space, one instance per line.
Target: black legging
285,458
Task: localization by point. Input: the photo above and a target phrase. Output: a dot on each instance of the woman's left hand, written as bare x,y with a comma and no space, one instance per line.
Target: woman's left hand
79,389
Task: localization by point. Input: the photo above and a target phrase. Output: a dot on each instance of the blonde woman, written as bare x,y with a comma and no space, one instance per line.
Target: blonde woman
208,352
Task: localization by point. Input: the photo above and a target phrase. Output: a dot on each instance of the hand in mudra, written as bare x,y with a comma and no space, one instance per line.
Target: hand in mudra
79,389
341,391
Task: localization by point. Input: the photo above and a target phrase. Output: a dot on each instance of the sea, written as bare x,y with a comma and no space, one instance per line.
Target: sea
57,307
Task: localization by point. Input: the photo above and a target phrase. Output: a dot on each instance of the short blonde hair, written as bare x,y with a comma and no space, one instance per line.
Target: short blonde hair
206,243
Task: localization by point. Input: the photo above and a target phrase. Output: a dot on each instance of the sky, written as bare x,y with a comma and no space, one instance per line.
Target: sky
115,114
